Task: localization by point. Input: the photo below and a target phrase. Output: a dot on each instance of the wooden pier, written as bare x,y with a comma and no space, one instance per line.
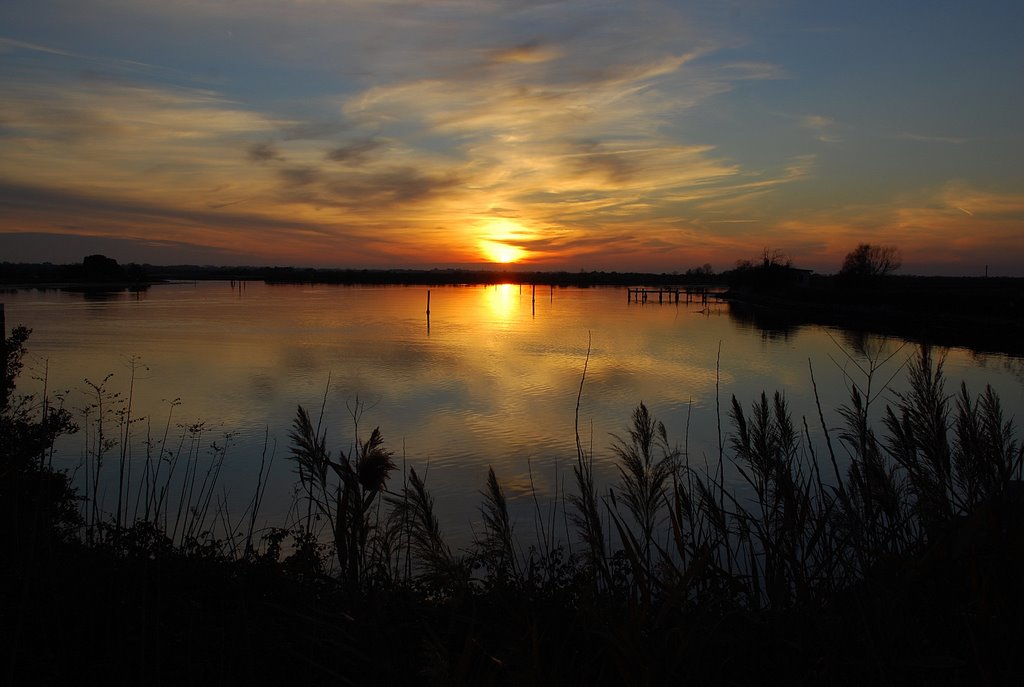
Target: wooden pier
670,294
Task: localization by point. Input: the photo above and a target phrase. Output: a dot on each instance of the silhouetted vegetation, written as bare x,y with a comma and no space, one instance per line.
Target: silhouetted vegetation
867,261
37,504
443,277
842,556
983,313
773,274
977,312
95,271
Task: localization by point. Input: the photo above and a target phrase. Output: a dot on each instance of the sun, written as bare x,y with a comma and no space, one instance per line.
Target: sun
496,251
498,243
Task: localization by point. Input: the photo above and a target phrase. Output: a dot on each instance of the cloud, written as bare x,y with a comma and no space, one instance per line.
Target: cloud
823,128
354,152
532,52
299,176
71,247
817,122
389,188
272,239
983,203
264,152
12,45
923,138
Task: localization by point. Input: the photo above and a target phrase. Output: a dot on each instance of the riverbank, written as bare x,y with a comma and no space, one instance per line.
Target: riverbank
985,314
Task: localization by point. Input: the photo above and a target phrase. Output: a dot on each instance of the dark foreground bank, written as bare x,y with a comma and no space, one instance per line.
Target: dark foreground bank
87,616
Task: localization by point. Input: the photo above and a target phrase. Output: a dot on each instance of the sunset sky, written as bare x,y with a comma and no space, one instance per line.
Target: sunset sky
595,135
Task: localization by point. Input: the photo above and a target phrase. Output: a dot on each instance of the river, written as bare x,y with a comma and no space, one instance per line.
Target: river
490,378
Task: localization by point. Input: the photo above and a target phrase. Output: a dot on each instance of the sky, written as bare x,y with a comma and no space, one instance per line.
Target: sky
597,135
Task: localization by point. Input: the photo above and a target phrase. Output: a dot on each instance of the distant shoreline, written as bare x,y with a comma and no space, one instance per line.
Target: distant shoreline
979,313
23,275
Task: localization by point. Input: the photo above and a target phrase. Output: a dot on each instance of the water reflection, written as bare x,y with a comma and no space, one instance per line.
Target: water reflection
107,293
503,300
491,381
772,325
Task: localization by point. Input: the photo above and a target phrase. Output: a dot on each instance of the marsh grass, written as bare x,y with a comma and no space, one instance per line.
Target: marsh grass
670,540
892,553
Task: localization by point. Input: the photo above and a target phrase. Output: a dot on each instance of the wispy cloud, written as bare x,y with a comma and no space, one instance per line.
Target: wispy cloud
264,152
924,138
824,128
354,152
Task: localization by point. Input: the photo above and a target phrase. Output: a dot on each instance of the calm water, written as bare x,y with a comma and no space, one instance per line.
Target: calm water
493,379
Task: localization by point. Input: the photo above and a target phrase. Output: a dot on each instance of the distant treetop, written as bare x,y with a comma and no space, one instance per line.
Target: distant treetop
867,260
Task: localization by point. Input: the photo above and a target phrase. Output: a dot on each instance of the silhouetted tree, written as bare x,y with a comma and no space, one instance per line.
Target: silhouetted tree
773,257
704,270
101,268
867,260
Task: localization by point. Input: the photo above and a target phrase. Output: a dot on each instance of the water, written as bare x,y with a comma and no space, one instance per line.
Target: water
491,380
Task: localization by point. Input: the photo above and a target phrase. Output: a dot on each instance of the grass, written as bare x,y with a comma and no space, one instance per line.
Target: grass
892,554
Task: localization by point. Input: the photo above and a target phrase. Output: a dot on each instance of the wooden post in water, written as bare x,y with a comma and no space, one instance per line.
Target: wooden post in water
428,303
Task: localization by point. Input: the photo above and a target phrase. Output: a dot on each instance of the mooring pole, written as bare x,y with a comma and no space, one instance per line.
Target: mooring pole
428,302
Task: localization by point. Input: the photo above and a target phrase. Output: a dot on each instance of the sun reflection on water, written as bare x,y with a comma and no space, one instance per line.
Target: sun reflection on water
502,301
